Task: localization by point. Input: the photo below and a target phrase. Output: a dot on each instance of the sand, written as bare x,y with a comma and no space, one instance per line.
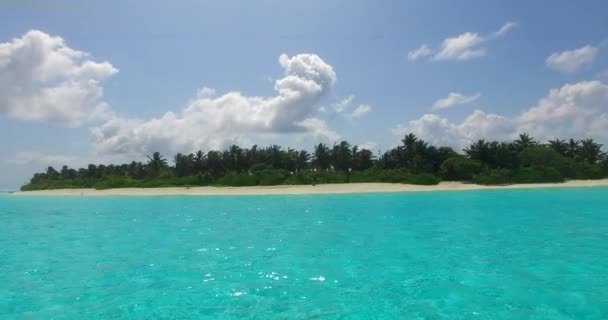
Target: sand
347,188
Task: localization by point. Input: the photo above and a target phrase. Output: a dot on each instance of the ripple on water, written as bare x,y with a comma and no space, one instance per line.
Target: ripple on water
466,255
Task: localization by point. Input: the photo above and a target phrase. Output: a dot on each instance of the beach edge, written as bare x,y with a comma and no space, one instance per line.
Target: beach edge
342,188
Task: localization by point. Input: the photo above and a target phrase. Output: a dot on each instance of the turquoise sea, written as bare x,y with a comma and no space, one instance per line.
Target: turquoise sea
517,254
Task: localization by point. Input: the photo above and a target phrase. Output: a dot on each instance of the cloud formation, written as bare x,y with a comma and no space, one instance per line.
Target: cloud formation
575,110
504,29
466,46
343,104
463,47
213,122
39,158
455,99
369,145
361,110
42,79
420,52
572,60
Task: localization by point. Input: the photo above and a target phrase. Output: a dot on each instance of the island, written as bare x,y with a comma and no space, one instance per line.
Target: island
414,165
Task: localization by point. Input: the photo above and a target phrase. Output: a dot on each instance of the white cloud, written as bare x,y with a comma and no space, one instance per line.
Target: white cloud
462,47
361,110
370,145
39,158
466,46
421,52
42,79
572,60
210,122
440,131
205,92
504,29
343,104
318,130
454,99
575,110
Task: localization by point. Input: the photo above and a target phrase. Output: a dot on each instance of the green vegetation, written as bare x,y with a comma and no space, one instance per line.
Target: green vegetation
414,162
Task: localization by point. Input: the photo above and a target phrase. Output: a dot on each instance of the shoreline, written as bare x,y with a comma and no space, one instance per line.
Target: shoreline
342,188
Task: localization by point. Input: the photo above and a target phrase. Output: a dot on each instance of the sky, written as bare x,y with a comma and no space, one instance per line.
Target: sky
113,81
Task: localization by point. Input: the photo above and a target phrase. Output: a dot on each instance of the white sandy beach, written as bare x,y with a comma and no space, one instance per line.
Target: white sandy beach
305,189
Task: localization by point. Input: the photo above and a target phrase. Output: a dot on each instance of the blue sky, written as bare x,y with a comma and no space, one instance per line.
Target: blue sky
154,57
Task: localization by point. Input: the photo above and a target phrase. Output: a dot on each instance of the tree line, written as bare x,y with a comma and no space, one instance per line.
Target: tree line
414,161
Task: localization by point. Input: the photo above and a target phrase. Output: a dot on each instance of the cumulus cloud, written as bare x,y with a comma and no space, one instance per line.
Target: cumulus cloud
578,109
440,131
42,79
318,130
343,104
420,52
462,47
574,110
370,145
361,110
466,46
213,122
455,99
504,29
39,158
572,60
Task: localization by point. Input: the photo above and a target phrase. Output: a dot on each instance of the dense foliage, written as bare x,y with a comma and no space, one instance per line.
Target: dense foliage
414,161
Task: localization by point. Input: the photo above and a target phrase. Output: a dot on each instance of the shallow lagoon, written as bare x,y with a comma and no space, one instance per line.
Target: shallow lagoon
515,254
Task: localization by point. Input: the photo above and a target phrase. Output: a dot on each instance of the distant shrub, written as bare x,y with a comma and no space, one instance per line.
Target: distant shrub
585,170
493,177
369,175
394,176
426,179
115,182
460,169
271,177
260,167
322,177
234,179
543,156
202,179
536,174
301,177
604,165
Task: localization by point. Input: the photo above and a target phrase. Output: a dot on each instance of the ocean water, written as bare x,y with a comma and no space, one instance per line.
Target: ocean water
517,254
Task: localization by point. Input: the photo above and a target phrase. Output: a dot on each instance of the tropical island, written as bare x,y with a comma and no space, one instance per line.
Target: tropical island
414,161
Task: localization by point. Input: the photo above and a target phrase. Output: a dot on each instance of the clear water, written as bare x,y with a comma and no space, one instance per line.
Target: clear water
539,254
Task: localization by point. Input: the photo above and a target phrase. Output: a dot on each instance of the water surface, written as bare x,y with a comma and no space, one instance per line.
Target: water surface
516,254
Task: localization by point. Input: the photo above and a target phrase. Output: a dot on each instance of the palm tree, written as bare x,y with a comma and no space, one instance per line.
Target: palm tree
199,161
183,164
214,163
362,159
156,162
302,160
276,156
523,141
478,150
409,141
590,151
322,157
290,159
341,157
572,149
236,159
561,146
